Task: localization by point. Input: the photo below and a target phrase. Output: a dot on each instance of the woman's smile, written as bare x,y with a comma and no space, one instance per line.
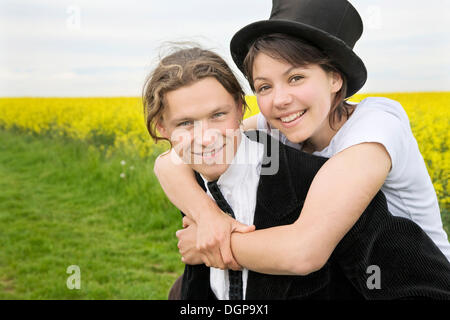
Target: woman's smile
292,119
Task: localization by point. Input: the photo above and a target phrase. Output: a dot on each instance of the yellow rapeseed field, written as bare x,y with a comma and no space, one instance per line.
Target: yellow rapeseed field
119,123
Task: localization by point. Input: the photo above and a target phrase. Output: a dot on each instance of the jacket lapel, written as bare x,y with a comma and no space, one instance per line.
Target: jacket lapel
276,192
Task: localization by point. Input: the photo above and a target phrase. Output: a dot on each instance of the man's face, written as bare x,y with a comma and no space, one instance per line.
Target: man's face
202,122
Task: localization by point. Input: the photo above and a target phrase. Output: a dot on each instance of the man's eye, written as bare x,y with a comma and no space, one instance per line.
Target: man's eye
218,114
184,123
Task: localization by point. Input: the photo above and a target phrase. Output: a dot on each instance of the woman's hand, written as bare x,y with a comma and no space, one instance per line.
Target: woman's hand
214,239
192,253
214,227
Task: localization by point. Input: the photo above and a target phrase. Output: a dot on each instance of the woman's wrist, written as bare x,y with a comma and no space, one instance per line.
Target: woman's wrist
200,210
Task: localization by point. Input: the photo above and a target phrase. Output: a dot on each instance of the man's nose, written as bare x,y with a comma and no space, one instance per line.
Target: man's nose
204,134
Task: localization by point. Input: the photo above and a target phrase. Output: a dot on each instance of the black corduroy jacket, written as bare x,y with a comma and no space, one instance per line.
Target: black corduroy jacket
410,264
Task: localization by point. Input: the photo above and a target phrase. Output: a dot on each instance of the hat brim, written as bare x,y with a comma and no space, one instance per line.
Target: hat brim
339,52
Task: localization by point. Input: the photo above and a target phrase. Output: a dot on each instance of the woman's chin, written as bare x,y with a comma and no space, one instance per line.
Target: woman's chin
294,136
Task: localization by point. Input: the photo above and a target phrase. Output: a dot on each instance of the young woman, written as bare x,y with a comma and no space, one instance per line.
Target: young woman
301,66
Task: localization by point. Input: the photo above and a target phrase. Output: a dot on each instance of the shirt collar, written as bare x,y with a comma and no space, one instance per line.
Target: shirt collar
248,155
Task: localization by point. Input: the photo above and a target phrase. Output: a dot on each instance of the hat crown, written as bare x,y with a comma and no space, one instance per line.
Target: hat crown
336,17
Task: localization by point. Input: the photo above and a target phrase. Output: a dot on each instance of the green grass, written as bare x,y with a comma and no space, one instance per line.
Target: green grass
64,203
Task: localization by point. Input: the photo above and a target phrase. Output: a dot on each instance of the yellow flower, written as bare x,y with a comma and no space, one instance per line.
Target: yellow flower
118,123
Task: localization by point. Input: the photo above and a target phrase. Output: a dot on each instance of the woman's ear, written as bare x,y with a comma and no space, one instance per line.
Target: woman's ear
335,81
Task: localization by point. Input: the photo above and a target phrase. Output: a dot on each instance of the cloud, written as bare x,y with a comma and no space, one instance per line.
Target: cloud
101,47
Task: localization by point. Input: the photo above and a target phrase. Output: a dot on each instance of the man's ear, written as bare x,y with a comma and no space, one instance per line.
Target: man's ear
240,106
336,81
161,129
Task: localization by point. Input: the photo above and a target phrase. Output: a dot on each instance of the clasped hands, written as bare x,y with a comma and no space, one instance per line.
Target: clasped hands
209,241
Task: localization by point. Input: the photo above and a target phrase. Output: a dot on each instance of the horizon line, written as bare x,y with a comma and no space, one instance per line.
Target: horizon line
247,95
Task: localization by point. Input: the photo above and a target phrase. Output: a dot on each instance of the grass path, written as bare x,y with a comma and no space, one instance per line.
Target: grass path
62,203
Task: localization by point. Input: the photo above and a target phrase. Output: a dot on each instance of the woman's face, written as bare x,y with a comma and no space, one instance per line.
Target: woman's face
295,100
202,121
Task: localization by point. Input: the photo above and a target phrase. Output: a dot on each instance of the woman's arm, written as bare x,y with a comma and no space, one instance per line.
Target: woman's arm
214,227
339,193
250,123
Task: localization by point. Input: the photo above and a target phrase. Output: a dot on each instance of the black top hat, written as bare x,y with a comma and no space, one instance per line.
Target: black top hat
334,26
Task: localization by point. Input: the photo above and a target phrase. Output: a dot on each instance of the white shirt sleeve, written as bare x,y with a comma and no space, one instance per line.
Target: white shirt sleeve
383,123
261,123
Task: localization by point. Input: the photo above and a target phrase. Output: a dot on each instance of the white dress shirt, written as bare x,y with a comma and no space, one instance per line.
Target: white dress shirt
238,184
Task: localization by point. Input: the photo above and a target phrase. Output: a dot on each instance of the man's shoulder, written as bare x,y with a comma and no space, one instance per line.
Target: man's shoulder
291,156
286,168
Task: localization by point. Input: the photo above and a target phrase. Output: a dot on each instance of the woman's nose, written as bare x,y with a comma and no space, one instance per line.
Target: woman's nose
282,98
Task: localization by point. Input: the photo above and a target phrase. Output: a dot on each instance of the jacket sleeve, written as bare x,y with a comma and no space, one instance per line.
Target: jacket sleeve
389,257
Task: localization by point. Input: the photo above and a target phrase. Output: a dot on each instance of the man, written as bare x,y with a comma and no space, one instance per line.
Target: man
193,100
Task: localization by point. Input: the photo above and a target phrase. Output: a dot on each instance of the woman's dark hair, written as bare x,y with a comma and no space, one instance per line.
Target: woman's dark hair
183,68
298,53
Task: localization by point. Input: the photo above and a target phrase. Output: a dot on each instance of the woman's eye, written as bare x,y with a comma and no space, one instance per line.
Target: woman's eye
295,78
262,88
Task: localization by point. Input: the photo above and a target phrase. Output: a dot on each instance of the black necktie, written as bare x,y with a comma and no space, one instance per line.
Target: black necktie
235,277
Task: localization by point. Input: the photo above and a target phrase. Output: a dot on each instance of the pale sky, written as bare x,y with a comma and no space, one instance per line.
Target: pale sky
106,48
